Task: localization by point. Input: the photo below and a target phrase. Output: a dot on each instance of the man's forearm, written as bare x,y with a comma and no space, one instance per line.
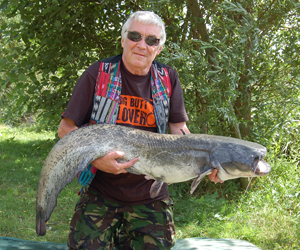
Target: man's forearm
177,128
65,127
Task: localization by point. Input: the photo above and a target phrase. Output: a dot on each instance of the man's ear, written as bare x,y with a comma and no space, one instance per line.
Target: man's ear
122,42
159,50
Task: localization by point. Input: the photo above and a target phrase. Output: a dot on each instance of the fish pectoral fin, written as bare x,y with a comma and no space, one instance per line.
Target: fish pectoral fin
155,188
148,177
197,181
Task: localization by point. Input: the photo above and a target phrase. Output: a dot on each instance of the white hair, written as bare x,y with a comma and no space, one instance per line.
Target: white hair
146,17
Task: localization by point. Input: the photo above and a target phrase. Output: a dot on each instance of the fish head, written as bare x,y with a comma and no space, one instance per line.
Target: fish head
240,159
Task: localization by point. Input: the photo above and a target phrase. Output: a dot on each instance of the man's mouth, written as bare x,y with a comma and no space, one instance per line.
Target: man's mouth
138,54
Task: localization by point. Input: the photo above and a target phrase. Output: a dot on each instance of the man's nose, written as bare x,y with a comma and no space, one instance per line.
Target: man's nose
142,43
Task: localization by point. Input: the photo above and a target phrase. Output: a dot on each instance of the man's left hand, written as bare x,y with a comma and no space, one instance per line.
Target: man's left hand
214,177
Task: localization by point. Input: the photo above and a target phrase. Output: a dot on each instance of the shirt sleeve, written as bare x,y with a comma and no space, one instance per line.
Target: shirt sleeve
177,107
80,105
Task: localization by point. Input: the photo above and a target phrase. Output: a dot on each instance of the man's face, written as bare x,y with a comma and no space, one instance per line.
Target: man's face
138,56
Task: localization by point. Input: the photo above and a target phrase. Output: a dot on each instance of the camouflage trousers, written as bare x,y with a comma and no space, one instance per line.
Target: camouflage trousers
101,224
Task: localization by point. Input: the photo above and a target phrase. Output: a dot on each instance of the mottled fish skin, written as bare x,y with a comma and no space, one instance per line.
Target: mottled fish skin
162,157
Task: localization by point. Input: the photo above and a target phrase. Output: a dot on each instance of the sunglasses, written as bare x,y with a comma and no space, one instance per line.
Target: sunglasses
136,37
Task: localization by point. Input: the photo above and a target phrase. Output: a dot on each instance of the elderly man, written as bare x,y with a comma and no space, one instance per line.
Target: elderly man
131,89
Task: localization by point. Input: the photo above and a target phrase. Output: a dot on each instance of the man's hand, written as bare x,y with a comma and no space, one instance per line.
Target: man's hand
214,177
108,163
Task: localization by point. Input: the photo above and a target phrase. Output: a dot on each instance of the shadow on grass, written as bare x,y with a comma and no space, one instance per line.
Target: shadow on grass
20,167
21,162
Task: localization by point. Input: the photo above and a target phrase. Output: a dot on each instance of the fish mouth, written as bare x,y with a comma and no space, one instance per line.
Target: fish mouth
261,167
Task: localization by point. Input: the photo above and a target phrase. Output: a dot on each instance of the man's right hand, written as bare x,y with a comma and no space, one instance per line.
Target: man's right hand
108,163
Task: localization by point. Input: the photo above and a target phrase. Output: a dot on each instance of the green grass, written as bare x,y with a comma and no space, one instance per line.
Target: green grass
267,215
22,152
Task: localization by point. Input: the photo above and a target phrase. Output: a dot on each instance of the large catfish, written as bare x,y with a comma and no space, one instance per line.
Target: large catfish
162,157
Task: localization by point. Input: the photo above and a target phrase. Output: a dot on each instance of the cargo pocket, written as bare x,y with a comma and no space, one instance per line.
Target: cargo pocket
81,204
168,207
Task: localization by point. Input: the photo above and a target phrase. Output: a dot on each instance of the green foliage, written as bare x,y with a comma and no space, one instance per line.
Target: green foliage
242,85
56,41
238,61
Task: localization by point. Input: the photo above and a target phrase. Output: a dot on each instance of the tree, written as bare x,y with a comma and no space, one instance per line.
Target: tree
234,57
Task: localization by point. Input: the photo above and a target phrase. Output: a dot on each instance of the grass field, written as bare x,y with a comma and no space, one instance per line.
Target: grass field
268,215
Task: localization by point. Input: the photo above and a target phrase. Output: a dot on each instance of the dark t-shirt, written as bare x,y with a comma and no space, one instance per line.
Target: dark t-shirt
136,110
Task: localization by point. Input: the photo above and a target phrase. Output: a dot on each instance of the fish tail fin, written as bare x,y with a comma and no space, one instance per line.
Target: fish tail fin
40,224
